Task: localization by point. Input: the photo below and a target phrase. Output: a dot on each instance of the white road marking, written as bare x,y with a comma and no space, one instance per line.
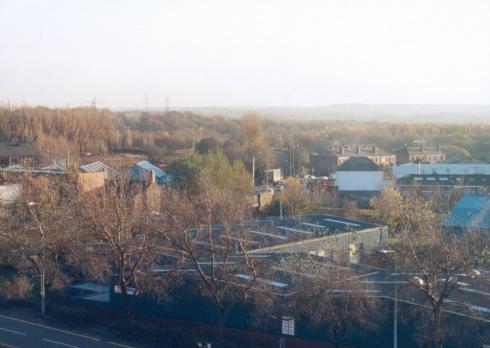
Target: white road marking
49,327
8,345
13,331
119,344
59,343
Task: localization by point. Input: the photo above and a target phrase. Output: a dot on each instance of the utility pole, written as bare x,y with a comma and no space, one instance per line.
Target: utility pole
43,257
395,314
253,174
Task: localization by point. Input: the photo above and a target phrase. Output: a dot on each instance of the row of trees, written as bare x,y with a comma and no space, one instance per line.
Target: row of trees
57,132
164,135
59,233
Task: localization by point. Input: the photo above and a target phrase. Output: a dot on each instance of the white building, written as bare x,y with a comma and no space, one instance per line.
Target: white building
362,175
441,169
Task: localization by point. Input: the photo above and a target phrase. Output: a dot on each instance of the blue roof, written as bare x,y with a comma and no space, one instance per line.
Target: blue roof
160,175
471,211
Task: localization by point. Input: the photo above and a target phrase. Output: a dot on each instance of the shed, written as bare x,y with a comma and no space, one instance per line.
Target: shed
145,171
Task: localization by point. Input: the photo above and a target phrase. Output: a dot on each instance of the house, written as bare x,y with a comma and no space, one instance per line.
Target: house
470,212
420,152
360,174
144,171
326,159
17,153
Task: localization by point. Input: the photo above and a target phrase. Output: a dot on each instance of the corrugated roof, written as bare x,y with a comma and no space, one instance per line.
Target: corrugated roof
441,168
99,166
151,167
160,175
471,211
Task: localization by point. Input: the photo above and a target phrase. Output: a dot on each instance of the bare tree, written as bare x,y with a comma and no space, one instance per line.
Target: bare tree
439,258
329,295
35,231
205,233
116,230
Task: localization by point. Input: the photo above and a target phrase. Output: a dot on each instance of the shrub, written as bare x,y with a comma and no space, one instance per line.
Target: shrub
18,288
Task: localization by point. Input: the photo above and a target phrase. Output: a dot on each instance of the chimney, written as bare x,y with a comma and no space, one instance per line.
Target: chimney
341,149
358,149
375,150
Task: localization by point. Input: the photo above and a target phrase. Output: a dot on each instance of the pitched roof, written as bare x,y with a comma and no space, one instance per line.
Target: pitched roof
17,150
471,211
358,164
160,175
99,166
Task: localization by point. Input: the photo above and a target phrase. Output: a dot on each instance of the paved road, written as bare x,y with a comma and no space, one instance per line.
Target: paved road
18,333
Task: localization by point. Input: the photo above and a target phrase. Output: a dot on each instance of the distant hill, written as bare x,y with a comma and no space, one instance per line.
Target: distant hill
360,112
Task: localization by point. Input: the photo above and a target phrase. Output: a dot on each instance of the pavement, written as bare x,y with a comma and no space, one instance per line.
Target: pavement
20,333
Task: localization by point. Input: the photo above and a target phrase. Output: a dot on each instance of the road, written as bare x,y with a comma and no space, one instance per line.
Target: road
470,299
18,333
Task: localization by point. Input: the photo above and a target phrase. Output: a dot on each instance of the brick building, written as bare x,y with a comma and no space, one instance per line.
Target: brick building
327,159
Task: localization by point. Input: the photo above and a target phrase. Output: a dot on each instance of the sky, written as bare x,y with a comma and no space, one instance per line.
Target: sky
244,53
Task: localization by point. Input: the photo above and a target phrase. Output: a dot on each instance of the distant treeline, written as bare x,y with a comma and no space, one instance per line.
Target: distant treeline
57,131
169,134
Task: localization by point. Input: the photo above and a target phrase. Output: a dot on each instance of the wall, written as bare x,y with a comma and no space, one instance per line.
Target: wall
338,245
9,193
91,181
359,181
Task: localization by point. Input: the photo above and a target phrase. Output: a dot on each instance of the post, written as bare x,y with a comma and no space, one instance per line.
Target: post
43,290
253,174
280,207
395,312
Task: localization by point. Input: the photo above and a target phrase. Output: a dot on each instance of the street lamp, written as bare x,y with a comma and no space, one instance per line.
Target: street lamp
43,257
395,303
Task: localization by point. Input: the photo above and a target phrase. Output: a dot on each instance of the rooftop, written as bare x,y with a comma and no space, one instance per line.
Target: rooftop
99,166
358,164
471,211
361,150
17,150
273,231
160,175
406,169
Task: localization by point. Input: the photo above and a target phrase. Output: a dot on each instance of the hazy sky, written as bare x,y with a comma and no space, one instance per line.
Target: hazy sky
229,52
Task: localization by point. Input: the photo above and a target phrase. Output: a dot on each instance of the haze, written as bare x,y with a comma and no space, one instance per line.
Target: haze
215,53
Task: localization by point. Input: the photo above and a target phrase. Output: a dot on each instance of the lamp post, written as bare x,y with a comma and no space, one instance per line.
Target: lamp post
395,304
43,257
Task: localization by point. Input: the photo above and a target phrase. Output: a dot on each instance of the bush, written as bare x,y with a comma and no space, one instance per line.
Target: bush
18,288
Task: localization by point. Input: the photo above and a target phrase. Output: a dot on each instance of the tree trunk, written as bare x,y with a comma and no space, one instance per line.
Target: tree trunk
436,329
221,325
336,337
